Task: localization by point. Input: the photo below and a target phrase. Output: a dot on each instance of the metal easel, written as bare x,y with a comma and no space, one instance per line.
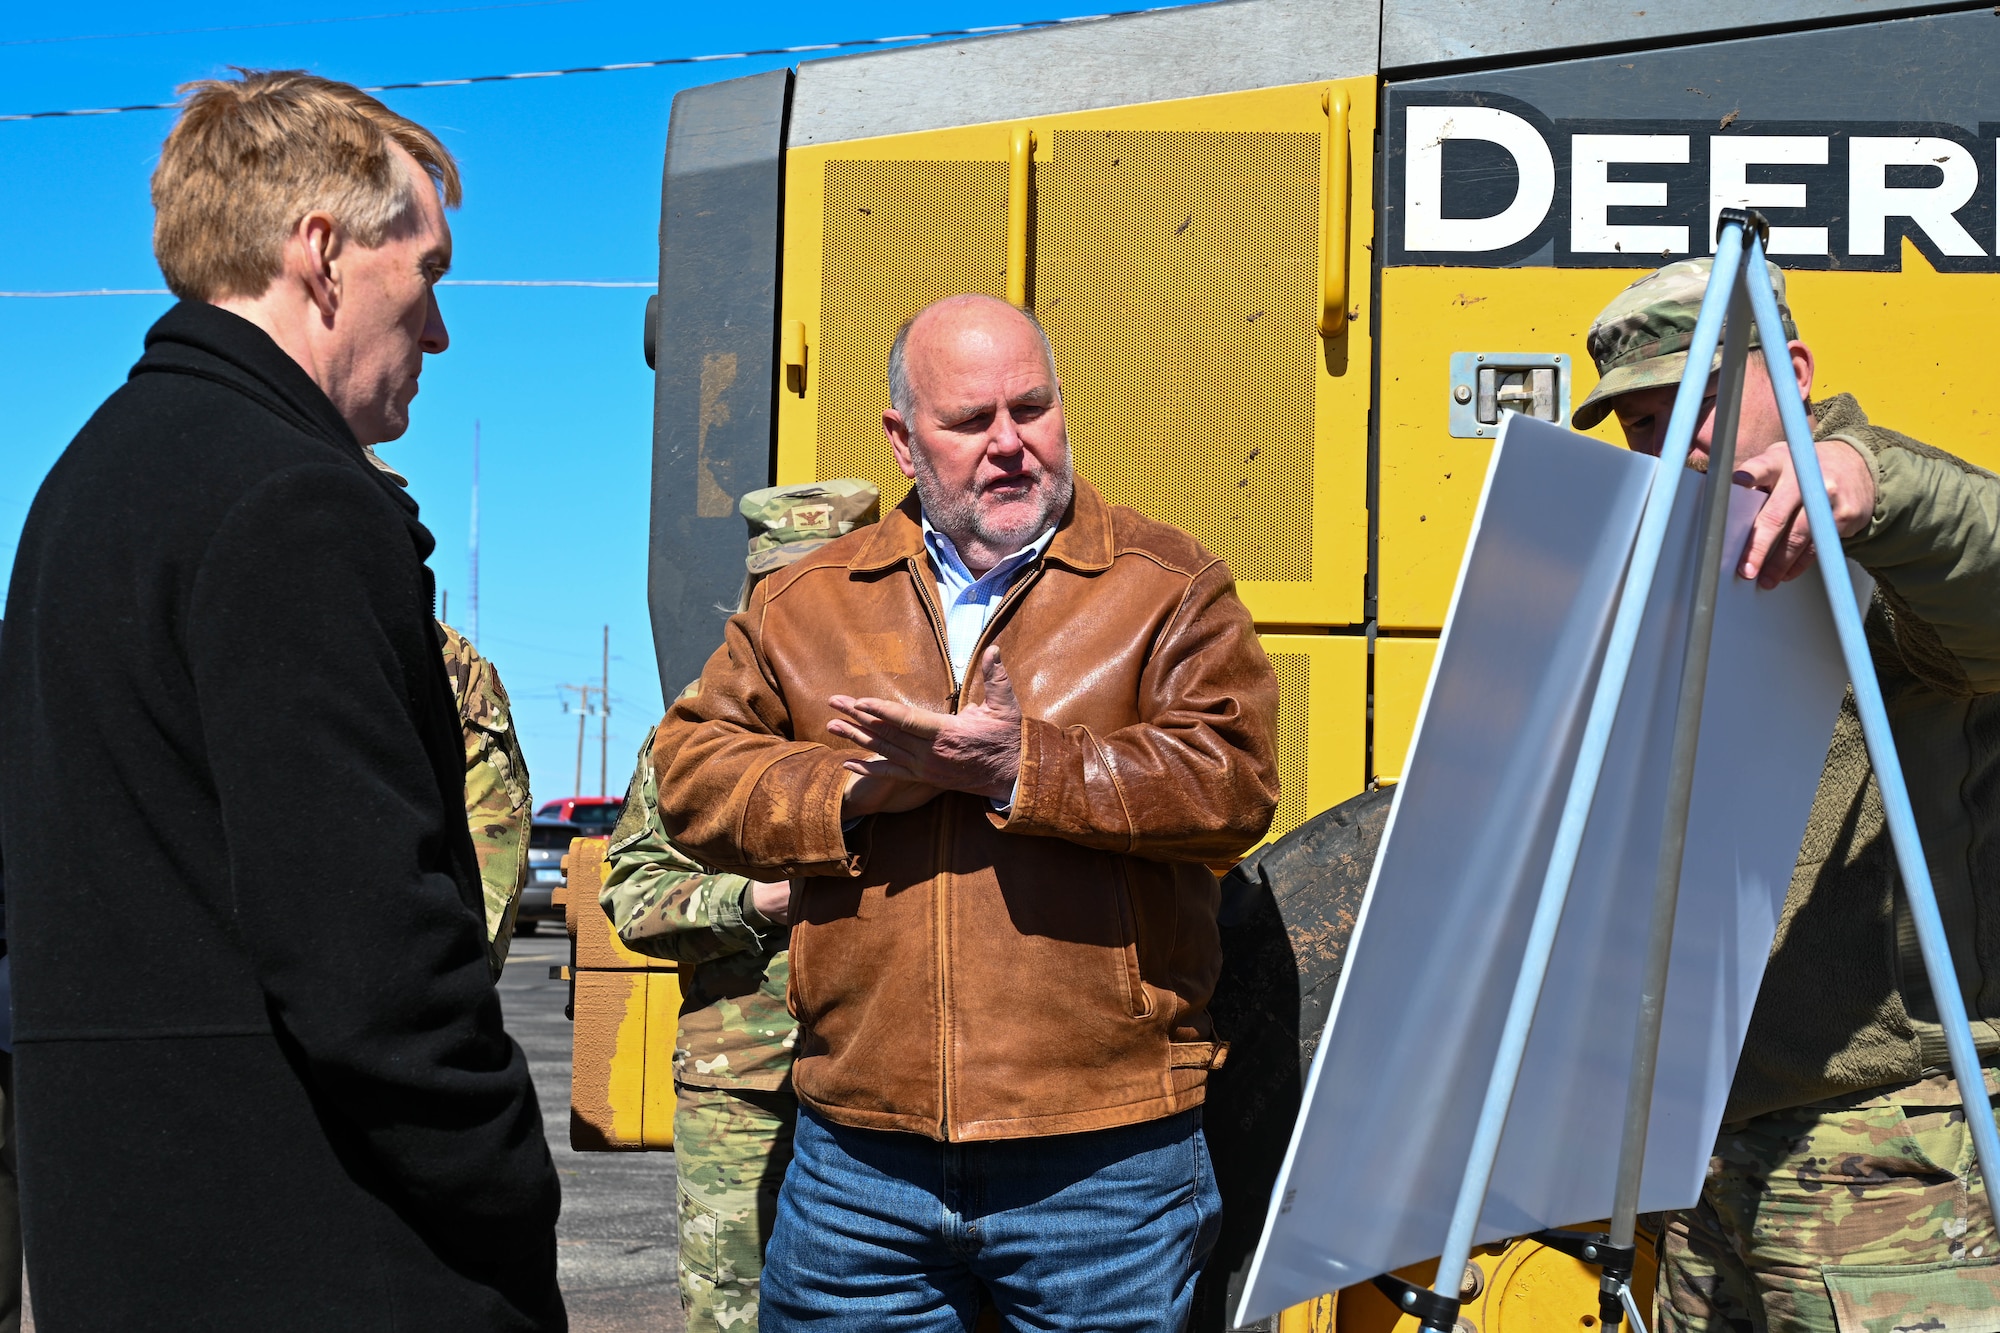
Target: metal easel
1737,297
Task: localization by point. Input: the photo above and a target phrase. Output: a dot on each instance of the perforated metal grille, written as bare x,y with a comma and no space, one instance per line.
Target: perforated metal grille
897,236
1294,672
1176,273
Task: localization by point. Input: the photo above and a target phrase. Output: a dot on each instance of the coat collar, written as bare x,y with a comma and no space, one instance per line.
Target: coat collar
208,342
1082,541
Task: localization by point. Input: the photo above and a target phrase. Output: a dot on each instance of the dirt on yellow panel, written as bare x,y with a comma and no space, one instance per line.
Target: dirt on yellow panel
626,1012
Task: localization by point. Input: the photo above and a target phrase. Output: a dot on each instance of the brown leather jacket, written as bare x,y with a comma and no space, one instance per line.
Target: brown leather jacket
958,973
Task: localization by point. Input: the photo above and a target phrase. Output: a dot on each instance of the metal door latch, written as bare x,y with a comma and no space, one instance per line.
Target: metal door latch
1484,385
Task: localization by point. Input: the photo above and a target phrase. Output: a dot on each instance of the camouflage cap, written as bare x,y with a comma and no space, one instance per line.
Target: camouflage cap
1640,340
787,522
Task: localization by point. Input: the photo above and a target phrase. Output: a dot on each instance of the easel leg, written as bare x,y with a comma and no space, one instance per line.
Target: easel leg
1680,777
1583,783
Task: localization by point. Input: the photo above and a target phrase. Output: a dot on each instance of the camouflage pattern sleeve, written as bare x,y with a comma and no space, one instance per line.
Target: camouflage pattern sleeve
497,802
665,905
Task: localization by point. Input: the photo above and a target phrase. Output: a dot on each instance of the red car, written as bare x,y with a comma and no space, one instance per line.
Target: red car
595,815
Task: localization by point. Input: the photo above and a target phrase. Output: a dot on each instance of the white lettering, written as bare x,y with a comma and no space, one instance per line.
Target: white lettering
1424,225
1871,201
1729,158
1592,193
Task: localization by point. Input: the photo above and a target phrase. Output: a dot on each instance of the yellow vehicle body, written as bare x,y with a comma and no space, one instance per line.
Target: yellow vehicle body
1177,260
1270,241
626,1009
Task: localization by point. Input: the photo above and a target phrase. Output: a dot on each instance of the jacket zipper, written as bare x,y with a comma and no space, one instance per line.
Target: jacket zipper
936,614
938,849
942,901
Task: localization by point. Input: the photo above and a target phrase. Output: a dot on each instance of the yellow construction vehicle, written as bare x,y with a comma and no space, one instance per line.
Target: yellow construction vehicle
1296,258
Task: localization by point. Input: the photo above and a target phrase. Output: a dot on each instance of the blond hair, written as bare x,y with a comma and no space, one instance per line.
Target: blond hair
251,156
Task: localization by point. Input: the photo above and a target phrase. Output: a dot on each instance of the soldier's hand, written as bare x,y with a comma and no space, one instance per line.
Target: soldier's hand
976,750
772,901
1780,546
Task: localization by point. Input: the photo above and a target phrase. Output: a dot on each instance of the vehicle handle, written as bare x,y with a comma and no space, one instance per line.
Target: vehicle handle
1333,217
1018,163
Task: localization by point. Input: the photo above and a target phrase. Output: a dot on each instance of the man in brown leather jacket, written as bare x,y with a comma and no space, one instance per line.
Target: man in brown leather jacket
1004,932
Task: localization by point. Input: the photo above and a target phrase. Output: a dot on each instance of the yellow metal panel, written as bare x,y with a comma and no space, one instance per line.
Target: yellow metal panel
1513,1287
1533,1288
1402,669
663,1022
1322,701
1430,482
1177,267
898,234
625,1016
1315,1316
608,1062
1875,335
1897,342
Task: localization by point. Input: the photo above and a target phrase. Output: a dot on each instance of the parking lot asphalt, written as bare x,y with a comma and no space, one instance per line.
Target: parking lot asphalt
615,1243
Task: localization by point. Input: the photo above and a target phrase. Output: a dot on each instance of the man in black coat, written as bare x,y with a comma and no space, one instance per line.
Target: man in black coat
262,1078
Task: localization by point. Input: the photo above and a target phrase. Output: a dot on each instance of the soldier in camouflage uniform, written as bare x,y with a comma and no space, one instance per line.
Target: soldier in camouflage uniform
733,1053
1844,1195
496,788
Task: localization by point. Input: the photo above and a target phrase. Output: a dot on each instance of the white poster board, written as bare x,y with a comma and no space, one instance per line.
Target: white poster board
1382,1138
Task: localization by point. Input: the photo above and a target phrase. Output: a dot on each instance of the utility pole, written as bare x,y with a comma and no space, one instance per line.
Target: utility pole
584,712
604,718
444,605
472,623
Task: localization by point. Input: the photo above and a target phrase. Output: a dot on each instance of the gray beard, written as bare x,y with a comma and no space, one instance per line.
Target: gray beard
959,517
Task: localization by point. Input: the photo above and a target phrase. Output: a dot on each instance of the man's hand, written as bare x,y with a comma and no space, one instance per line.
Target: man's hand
977,750
1779,544
881,796
772,901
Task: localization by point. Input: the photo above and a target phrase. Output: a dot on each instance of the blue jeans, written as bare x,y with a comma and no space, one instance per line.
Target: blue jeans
882,1232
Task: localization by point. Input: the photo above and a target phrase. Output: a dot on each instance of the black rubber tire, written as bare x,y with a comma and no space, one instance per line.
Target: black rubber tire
1287,914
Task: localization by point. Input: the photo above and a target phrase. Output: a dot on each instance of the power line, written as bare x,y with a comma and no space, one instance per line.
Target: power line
447,282
539,282
99,291
808,49
287,23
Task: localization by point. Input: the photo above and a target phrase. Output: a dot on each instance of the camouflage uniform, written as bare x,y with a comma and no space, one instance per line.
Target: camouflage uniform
1841,1194
496,788
734,1108
1855,1213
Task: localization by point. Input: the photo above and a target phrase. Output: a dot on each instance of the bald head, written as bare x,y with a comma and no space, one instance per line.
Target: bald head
950,316
976,421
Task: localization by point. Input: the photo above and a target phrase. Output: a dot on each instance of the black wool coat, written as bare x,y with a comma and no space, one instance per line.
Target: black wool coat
261,1077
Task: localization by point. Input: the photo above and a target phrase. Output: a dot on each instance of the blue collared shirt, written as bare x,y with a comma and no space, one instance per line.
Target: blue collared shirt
969,602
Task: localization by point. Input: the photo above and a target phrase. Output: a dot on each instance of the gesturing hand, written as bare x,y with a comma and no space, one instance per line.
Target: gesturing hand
977,750
1779,543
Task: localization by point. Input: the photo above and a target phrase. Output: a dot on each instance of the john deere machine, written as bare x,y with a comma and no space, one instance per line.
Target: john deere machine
1296,259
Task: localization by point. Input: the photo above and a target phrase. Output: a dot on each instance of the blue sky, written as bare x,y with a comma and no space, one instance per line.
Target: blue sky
562,181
